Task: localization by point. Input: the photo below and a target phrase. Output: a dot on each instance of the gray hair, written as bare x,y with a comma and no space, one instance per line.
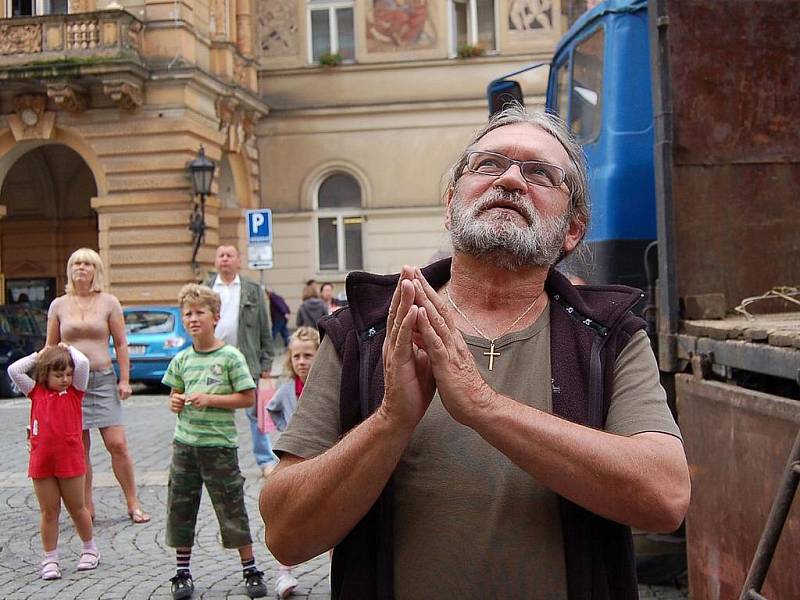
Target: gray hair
576,180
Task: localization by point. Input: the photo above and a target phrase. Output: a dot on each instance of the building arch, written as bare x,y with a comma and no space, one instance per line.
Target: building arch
314,179
234,184
47,189
11,150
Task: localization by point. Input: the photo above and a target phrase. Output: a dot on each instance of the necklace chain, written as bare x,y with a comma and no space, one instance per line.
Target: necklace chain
491,354
84,308
476,328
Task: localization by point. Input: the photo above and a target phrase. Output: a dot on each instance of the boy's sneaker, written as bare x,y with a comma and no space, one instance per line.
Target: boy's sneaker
285,584
254,584
182,585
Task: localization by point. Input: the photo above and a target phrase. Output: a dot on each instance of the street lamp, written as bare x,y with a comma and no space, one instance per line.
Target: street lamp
201,173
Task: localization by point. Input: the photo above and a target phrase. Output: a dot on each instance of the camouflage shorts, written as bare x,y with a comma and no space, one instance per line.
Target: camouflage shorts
218,469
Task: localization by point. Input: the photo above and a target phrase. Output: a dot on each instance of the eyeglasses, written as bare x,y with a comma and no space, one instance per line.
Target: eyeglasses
535,172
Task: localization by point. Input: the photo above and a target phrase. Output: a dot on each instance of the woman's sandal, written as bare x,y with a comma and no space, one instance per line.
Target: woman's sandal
89,560
50,570
138,516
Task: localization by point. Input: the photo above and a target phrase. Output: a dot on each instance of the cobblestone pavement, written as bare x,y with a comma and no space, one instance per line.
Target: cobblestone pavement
136,564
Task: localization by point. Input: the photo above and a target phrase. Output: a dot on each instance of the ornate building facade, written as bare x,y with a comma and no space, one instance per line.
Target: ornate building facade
101,108
370,101
342,116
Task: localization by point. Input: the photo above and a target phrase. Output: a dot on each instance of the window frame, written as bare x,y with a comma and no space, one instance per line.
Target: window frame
566,64
600,29
472,26
38,9
333,26
340,214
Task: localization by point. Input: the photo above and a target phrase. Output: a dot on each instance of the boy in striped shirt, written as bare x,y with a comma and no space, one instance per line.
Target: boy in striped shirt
209,381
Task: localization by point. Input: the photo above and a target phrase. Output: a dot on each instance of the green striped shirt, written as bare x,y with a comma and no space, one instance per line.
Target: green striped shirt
221,371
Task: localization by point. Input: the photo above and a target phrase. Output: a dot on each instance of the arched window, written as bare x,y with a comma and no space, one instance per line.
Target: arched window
339,223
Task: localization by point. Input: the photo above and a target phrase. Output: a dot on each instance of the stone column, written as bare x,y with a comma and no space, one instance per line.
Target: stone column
244,27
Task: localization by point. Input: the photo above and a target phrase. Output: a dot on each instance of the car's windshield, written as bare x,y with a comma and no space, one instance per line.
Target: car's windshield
149,321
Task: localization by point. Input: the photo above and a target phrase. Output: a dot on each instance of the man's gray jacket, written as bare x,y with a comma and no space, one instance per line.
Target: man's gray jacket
254,331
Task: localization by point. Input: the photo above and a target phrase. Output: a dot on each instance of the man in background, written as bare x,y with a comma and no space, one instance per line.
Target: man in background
244,323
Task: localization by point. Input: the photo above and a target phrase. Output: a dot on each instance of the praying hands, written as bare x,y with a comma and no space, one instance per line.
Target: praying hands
424,351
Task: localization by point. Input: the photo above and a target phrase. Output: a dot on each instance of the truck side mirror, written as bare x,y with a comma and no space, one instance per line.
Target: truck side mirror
501,92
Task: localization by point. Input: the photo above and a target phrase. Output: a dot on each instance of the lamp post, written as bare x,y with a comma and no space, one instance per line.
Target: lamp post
201,173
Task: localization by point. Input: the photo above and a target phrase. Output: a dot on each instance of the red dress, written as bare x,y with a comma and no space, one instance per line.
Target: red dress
56,426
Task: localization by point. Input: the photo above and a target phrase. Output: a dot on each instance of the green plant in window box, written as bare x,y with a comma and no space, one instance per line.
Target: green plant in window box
330,59
469,51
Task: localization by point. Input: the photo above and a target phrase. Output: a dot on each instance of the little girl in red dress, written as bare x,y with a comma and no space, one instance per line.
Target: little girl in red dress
57,464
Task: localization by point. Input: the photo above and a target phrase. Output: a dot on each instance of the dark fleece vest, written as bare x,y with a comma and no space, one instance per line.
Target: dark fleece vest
589,326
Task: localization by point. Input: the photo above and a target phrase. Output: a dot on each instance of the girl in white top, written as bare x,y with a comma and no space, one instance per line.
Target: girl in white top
56,464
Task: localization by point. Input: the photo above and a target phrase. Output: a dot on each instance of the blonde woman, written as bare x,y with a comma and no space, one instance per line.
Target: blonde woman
85,317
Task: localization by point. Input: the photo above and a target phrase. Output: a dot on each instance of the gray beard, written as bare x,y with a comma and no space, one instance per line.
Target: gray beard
500,240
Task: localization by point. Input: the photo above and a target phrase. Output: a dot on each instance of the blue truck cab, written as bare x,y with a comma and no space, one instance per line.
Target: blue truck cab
600,85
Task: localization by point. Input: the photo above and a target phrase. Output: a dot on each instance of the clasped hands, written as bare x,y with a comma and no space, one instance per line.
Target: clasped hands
423,351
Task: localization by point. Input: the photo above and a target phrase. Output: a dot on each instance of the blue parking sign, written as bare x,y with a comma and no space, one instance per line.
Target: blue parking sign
259,226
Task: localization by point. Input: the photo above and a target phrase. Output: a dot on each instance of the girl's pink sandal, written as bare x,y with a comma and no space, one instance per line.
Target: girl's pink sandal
89,560
50,570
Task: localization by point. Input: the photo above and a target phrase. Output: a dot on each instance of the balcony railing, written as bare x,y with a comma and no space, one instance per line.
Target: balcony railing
76,39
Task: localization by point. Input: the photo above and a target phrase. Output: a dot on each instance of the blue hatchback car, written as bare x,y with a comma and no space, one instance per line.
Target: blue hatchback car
155,334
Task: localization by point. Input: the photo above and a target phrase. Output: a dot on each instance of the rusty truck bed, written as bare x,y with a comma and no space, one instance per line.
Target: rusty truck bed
768,344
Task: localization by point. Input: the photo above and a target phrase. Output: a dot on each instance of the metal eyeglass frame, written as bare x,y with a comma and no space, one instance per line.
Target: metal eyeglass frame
520,164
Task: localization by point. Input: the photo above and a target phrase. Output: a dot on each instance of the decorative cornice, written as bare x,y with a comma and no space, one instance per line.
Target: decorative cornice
67,96
25,38
35,102
226,108
125,94
237,122
31,121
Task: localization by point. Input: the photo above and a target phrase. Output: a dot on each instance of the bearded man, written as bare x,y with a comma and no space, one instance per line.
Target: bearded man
481,428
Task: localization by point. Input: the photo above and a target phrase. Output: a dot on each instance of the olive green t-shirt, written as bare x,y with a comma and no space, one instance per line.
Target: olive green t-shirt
469,523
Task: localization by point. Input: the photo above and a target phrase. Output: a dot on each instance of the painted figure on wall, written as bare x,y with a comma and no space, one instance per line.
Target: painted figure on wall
400,25
525,15
278,30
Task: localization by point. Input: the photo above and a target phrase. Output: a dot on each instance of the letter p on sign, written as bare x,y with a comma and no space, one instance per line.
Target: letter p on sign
259,226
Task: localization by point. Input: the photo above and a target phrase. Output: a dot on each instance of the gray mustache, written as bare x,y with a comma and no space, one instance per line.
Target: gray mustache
512,198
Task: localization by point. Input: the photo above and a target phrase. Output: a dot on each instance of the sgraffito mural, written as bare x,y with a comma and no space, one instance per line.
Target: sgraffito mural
400,25
277,27
530,15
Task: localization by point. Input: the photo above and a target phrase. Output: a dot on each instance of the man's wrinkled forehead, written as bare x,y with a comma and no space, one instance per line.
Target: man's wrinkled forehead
523,141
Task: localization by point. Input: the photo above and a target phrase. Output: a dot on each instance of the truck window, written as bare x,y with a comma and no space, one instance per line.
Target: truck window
587,88
562,90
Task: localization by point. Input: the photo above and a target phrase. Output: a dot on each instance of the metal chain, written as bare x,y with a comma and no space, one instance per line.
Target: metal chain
475,327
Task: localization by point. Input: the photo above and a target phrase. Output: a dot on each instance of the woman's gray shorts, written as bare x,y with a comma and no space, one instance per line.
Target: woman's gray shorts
101,404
